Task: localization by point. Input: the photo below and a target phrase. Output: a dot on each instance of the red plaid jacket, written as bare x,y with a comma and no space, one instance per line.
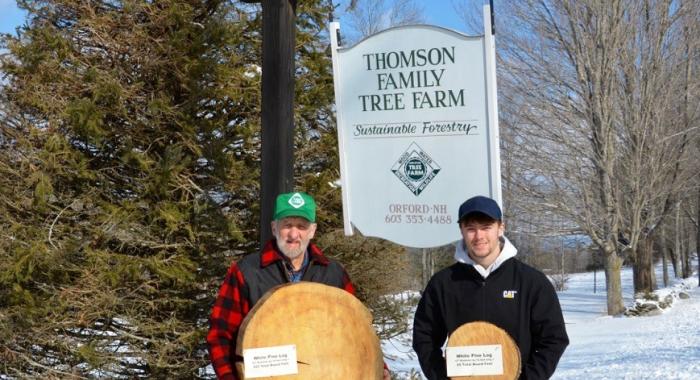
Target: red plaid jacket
236,296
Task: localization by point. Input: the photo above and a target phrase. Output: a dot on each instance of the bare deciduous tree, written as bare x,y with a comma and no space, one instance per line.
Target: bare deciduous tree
653,141
559,88
589,90
367,17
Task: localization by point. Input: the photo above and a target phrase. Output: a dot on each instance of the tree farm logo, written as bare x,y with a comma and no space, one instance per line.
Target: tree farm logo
415,169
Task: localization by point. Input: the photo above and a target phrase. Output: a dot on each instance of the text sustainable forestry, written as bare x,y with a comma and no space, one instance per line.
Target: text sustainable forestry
410,129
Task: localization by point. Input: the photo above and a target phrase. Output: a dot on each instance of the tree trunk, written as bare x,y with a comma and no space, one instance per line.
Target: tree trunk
673,255
677,240
697,236
595,280
643,266
613,283
597,257
652,269
681,250
664,256
687,267
633,259
684,270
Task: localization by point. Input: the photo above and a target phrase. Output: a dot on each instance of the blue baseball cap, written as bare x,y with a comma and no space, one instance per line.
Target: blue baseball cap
480,204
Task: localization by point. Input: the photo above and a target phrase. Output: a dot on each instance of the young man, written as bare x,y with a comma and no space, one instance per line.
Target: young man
288,257
489,284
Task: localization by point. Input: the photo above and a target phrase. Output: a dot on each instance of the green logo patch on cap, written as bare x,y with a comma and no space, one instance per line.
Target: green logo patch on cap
295,204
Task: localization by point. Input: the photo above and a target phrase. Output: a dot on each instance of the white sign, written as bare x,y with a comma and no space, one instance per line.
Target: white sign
414,133
270,361
474,360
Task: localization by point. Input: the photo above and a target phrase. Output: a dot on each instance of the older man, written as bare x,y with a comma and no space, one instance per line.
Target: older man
288,257
489,284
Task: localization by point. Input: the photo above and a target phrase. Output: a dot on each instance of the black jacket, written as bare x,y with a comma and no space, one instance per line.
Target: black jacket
265,271
459,294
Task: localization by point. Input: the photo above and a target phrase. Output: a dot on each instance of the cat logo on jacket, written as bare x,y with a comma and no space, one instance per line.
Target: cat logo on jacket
510,294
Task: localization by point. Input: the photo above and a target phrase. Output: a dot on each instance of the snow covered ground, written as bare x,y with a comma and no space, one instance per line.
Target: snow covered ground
662,347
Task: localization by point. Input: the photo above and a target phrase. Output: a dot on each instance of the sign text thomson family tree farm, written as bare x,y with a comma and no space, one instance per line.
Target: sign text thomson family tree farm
415,133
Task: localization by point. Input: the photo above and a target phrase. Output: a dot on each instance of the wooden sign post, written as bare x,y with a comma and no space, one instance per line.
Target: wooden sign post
277,139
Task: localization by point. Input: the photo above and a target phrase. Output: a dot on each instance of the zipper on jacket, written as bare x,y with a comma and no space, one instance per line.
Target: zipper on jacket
483,299
283,272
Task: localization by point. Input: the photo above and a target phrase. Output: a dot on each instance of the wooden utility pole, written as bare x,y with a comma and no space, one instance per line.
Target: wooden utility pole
277,137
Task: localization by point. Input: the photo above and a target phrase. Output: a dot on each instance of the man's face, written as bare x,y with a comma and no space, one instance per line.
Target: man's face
293,235
481,236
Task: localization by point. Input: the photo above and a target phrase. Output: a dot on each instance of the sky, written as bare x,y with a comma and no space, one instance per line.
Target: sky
663,347
10,16
437,12
442,13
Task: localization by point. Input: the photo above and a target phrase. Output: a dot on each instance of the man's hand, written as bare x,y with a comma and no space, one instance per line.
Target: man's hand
387,375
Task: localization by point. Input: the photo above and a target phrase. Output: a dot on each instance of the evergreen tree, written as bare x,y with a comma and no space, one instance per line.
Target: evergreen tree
126,130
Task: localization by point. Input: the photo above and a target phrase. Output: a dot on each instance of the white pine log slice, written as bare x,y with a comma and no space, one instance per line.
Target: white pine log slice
331,329
485,333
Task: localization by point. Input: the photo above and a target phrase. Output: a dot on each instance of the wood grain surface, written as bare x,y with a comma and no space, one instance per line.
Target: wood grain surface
332,331
484,333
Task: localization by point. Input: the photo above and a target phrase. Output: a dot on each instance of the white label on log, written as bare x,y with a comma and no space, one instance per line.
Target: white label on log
474,360
270,361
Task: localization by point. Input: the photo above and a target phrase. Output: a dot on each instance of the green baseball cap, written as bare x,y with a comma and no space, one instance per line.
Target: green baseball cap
295,204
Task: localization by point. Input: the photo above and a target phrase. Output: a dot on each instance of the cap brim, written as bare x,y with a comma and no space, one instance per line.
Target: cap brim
295,213
467,214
